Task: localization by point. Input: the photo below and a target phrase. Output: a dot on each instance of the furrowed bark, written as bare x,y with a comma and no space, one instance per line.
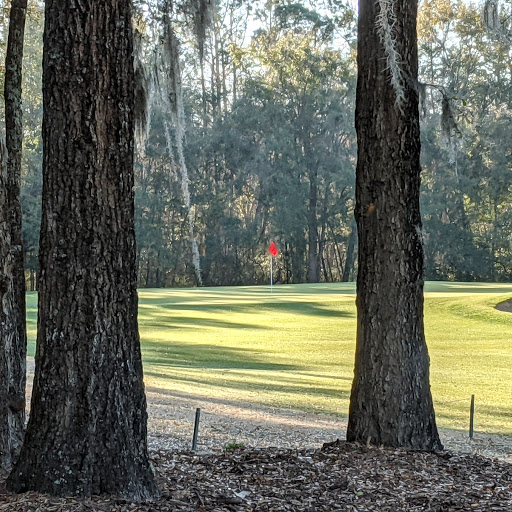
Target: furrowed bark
87,429
10,430
391,403
13,342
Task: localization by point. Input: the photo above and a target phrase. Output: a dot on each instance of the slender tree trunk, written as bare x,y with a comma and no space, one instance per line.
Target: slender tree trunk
313,249
87,429
148,268
349,257
330,278
235,80
223,68
13,342
337,253
321,243
324,267
218,80
391,403
203,94
213,89
313,257
10,431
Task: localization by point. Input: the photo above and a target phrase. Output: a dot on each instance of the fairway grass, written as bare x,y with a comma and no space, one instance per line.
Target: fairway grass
294,348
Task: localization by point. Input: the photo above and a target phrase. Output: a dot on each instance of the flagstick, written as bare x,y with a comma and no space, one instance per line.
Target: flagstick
271,273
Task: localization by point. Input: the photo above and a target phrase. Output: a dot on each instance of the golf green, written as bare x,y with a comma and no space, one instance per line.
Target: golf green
294,348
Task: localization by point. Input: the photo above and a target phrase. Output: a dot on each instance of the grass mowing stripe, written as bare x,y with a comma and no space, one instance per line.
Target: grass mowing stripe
294,348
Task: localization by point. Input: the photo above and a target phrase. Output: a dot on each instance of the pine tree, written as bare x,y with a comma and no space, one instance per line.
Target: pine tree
391,403
87,429
13,336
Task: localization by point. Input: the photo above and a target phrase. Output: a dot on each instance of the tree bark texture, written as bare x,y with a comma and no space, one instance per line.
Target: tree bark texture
11,410
14,337
391,403
87,430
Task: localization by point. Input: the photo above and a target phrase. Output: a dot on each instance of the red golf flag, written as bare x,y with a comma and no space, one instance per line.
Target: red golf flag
273,249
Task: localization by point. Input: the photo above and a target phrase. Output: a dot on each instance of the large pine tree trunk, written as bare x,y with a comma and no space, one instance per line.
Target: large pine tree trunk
87,428
391,402
13,338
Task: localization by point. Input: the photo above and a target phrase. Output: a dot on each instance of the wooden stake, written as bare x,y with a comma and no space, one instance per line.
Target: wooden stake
472,417
196,429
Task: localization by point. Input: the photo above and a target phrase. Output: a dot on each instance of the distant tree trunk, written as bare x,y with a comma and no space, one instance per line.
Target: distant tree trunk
313,257
203,95
349,257
87,429
13,339
313,253
324,258
391,403
235,79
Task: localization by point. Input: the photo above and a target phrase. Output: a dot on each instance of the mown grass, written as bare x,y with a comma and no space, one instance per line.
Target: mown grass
295,348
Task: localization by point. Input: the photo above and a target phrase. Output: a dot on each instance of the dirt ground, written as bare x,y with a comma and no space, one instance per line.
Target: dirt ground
337,476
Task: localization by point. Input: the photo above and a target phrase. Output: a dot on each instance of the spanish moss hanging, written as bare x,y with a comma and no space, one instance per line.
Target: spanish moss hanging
174,96
386,22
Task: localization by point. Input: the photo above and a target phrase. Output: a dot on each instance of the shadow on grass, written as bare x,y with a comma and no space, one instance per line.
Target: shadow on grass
297,308
471,288
207,356
161,321
491,424
495,411
247,385
319,420
257,292
311,309
228,365
338,395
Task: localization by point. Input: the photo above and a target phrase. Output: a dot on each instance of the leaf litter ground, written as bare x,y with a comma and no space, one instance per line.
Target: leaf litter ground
292,461
338,476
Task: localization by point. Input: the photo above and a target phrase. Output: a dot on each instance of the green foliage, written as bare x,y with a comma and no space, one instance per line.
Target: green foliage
271,126
270,129
468,178
31,179
233,446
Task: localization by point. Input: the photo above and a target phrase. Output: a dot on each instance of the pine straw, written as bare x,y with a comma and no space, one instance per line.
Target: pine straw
338,476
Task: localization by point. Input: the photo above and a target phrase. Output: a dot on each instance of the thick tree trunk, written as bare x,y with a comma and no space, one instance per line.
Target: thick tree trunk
87,428
391,403
14,338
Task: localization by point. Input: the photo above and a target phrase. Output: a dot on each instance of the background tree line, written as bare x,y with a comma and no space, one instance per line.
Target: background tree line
270,147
